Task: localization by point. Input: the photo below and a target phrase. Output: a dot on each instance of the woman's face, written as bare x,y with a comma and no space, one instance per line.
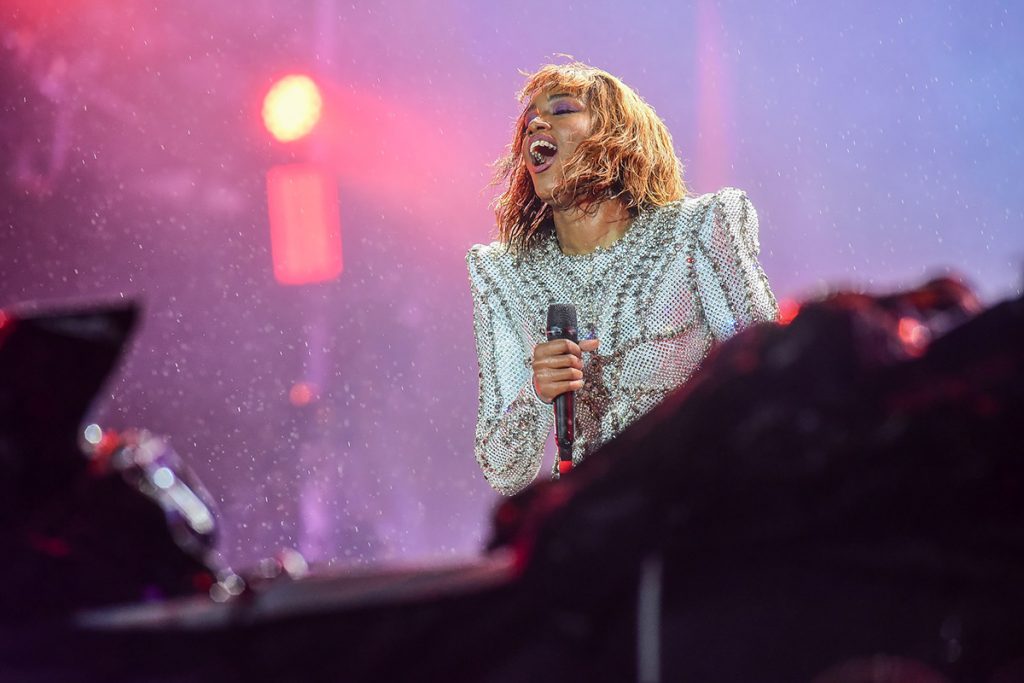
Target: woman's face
555,125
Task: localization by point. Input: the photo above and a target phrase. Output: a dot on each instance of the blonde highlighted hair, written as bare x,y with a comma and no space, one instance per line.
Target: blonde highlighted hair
628,155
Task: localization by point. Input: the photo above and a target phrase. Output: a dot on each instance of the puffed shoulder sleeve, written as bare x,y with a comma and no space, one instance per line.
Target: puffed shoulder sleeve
733,288
512,423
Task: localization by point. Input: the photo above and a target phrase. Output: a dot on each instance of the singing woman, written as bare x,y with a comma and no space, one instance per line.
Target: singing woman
595,213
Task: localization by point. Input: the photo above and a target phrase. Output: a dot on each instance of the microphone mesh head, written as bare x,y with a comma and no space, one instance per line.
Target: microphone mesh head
561,322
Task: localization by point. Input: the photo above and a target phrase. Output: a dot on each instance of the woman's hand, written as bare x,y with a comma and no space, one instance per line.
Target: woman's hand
558,366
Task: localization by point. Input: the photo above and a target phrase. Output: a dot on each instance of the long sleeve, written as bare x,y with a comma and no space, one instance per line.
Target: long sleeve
512,423
734,290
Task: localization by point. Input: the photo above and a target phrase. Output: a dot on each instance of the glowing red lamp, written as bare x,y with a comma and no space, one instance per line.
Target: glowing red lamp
305,229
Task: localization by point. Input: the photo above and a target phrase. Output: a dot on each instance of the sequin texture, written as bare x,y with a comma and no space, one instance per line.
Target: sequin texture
682,277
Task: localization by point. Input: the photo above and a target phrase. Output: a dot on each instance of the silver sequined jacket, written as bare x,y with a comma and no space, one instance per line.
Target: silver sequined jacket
682,277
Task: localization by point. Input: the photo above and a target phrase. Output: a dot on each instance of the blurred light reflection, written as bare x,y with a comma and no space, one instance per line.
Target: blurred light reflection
93,434
292,108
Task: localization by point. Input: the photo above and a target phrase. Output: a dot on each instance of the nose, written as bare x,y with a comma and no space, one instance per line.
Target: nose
538,123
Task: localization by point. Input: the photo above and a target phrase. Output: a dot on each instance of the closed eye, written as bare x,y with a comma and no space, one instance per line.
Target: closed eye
556,111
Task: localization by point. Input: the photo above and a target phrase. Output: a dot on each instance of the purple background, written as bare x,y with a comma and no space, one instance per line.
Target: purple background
879,146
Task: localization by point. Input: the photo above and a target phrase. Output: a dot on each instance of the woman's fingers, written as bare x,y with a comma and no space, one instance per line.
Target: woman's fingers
563,361
560,349
558,366
559,375
556,347
549,391
562,387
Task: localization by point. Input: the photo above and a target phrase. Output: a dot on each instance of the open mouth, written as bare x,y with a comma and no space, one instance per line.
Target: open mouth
542,152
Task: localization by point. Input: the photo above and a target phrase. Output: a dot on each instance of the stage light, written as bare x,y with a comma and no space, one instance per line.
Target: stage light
305,228
93,434
914,335
788,309
292,107
301,394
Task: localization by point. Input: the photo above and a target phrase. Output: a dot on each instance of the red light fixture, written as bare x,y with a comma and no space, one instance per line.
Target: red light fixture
305,228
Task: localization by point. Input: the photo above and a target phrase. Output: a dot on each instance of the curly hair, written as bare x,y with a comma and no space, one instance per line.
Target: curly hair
628,155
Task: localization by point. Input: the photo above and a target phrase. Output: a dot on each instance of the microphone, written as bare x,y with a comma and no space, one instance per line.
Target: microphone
562,325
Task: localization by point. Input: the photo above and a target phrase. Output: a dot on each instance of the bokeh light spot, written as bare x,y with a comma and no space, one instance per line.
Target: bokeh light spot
93,434
164,478
301,394
788,309
914,335
292,107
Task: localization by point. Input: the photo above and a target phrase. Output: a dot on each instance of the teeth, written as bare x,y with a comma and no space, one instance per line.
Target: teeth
542,143
536,156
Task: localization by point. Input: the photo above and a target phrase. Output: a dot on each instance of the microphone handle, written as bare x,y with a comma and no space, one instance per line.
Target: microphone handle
561,324
565,412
